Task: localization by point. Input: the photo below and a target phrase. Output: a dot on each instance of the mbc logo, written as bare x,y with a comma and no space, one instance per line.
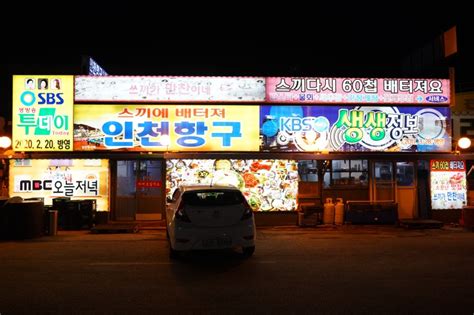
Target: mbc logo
29,185
28,98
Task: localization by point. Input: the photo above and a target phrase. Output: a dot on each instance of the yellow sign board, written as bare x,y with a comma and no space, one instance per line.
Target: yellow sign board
43,112
166,127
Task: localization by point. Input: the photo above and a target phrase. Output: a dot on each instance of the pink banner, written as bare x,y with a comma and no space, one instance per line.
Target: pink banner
357,90
149,89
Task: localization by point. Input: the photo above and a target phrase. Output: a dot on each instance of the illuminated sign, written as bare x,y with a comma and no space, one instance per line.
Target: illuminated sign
42,113
47,179
448,184
357,90
169,89
166,128
448,166
355,128
82,184
148,183
268,185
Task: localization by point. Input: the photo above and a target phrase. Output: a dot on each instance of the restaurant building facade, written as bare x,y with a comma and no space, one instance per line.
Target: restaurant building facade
286,142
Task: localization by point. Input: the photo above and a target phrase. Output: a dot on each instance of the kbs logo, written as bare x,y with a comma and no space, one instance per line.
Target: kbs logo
299,124
29,185
29,98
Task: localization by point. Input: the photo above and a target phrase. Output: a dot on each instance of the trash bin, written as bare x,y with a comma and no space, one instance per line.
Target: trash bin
53,222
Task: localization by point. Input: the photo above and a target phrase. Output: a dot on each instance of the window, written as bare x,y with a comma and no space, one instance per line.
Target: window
346,172
213,198
383,171
405,173
308,171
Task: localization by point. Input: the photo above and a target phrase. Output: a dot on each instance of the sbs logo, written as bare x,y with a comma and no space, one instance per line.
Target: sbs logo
29,98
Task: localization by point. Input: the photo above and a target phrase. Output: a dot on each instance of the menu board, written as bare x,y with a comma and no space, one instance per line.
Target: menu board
268,185
448,184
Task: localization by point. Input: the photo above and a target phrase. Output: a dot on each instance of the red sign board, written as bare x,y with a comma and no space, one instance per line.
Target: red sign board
448,166
148,183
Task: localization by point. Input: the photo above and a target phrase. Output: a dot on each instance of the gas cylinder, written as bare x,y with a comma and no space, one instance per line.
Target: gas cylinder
339,213
329,209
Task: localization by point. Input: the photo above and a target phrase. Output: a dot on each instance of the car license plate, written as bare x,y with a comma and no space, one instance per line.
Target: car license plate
217,242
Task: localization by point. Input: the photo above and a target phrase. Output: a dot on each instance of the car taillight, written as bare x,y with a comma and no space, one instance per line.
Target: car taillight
180,214
247,211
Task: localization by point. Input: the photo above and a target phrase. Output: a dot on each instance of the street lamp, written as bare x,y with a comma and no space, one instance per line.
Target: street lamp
5,142
462,143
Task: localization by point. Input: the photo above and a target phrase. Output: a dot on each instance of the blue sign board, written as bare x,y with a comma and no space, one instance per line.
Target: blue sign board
355,128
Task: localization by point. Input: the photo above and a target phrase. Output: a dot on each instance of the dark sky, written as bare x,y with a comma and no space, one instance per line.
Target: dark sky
133,37
130,38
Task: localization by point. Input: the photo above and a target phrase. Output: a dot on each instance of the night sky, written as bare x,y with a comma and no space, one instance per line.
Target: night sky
128,38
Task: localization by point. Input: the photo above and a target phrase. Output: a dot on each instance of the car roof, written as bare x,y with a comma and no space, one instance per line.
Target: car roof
208,187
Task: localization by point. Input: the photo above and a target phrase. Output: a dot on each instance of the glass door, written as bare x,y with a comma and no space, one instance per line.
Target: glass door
150,196
383,185
125,200
406,190
139,191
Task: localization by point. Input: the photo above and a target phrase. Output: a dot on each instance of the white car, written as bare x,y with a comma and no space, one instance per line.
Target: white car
201,217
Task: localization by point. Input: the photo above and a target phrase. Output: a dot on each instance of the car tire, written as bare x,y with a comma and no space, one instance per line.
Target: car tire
248,251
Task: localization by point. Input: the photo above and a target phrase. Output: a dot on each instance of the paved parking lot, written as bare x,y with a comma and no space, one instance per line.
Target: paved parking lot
349,269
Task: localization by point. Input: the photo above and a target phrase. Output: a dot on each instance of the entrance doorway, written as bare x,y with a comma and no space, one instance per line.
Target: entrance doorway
139,191
395,181
383,184
406,190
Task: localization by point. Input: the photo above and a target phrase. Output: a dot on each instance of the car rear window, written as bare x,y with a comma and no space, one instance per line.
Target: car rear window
212,198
